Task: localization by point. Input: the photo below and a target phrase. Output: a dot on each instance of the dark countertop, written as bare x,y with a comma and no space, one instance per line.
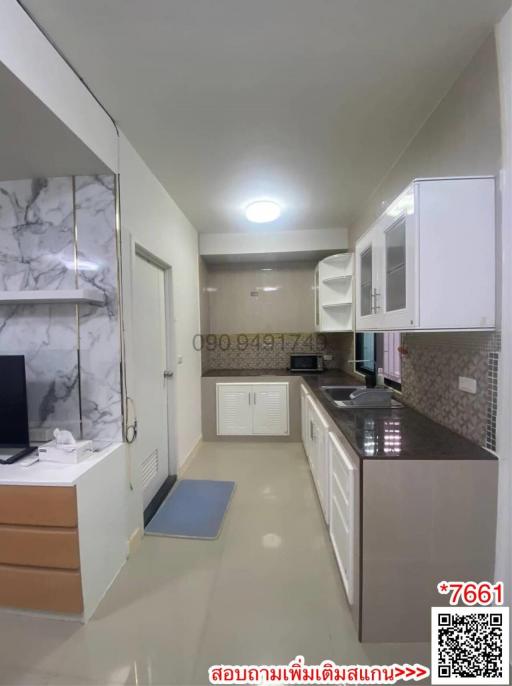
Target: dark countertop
399,433
250,372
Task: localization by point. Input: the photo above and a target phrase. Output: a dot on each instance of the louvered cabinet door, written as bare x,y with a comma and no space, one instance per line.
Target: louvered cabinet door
270,409
234,409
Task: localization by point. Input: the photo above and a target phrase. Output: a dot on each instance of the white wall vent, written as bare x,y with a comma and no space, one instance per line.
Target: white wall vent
149,469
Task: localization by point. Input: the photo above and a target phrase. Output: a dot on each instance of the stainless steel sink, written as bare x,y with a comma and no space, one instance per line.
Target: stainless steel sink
335,393
359,397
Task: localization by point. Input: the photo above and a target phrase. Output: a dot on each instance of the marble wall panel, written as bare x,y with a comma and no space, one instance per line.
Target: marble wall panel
37,253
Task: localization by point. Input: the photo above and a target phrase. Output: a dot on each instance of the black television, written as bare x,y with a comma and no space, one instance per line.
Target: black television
13,402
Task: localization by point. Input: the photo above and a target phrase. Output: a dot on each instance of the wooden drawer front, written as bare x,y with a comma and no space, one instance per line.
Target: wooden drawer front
39,547
40,589
38,505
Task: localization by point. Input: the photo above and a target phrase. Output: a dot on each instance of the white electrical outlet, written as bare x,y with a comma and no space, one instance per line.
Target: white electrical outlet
467,385
328,358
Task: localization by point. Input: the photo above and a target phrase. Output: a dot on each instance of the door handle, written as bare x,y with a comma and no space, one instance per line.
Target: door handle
255,398
168,374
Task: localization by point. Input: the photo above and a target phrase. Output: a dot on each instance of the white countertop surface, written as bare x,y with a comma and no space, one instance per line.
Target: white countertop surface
51,473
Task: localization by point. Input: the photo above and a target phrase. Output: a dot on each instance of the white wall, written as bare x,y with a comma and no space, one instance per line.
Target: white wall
26,52
153,220
460,138
504,426
246,299
262,242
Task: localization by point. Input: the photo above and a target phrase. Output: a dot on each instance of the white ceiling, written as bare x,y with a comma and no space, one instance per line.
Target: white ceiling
34,142
308,102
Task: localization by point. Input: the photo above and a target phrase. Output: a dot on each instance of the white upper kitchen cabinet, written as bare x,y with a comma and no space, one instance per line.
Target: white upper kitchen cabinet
429,262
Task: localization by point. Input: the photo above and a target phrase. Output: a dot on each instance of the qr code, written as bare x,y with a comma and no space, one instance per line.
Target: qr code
470,645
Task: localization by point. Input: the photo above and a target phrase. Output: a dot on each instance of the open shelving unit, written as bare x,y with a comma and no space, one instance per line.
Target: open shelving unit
334,293
78,296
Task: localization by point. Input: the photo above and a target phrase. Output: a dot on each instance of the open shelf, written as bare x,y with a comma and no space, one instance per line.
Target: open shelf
339,258
85,296
334,293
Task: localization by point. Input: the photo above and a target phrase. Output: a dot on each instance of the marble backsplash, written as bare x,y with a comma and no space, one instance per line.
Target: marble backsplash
60,233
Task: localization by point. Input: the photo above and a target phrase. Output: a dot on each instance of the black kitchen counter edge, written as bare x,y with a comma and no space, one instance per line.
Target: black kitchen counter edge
396,434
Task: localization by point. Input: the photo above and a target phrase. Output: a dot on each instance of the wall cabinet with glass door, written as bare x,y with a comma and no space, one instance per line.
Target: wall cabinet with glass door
428,263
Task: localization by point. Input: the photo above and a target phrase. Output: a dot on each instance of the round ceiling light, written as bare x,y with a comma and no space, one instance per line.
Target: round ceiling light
263,211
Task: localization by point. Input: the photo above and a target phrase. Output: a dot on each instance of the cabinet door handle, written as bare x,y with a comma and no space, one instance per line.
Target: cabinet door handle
255,397
249,396
311,430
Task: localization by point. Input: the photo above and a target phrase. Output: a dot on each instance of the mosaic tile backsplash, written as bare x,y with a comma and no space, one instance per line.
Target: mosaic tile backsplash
430,370
272,351
430,378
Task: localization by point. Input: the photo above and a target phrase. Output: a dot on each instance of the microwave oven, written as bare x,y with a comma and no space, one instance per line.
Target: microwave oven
306,362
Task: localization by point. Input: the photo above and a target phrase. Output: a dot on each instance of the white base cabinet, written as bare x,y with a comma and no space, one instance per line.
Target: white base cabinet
258,409
318,457
342,506
334,477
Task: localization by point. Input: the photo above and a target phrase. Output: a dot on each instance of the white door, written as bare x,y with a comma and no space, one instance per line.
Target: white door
270,409
149,312
234,409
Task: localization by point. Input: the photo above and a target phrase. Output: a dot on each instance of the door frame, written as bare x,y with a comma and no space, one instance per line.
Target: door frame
137,249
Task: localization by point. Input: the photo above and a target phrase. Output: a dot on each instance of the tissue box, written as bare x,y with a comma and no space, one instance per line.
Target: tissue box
65,454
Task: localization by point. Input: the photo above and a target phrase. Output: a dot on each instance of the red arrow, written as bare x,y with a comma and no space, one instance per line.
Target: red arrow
421,672
409,671
406,672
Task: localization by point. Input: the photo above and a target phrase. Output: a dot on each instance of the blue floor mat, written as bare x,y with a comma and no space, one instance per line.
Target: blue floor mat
195,508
